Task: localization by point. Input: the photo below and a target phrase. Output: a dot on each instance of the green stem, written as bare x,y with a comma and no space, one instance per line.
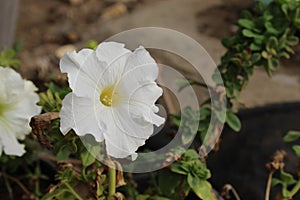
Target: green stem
111,182
153,181
8,187
73,191
295,189
84,174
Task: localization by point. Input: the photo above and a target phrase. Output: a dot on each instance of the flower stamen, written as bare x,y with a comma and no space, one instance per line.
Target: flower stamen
2,109
108,96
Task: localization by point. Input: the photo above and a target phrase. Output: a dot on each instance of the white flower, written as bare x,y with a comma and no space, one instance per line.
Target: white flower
114,92
17,105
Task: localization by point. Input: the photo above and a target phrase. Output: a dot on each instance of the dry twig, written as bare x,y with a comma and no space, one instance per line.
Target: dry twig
226,192
274,165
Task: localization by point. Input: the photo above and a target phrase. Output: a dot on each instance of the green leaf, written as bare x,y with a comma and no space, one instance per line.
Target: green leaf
265,54
248,33
182,83
255,57
142,197
166,177
63,153
177,168
233,121
236,61
221,115
7,58
204,113
246,23
87,159
296,149
270,28
273,63
73,146
284,9
184,189
259,7
272,43
255,47
59,193
292,40
285,192
289,50
191,154
291,136
100,190
62,91
246,14
201,188
287,178
176,119
285,55
259,40
158,198
275,181
267,15
227,42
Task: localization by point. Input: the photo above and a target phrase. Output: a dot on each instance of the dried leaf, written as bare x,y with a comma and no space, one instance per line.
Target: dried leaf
40,123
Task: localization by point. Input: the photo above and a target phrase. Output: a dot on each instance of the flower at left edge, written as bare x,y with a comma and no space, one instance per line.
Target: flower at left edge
18,103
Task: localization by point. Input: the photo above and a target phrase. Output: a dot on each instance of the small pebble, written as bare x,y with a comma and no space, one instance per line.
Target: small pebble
76,2
64,49
113,11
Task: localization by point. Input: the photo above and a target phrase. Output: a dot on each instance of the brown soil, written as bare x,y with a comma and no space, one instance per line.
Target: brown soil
44,26
218,21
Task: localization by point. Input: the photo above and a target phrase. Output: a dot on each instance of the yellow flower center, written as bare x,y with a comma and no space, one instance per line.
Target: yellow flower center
108,96
2,109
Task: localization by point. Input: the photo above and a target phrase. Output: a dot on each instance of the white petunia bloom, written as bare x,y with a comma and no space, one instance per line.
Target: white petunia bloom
17,105
113,96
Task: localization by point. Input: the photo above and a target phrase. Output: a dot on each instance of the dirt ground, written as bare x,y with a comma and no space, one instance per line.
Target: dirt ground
45,27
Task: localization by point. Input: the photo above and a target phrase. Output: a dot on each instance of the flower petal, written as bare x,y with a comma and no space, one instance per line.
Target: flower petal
130,124
118,151
141,65
88,76
141,72
18,101
110,52
72,62
12,85
118,143
21,111
78,113
145,113
11,146
115,56
141,97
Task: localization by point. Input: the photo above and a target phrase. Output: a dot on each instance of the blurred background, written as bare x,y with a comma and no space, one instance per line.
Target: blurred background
46,29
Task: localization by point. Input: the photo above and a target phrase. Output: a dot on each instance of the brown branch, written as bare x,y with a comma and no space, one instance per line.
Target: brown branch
274,165
21,185
226,192
268,188
53,159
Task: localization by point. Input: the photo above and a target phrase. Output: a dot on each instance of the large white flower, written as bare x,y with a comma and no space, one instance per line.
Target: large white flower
17,105
114,92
